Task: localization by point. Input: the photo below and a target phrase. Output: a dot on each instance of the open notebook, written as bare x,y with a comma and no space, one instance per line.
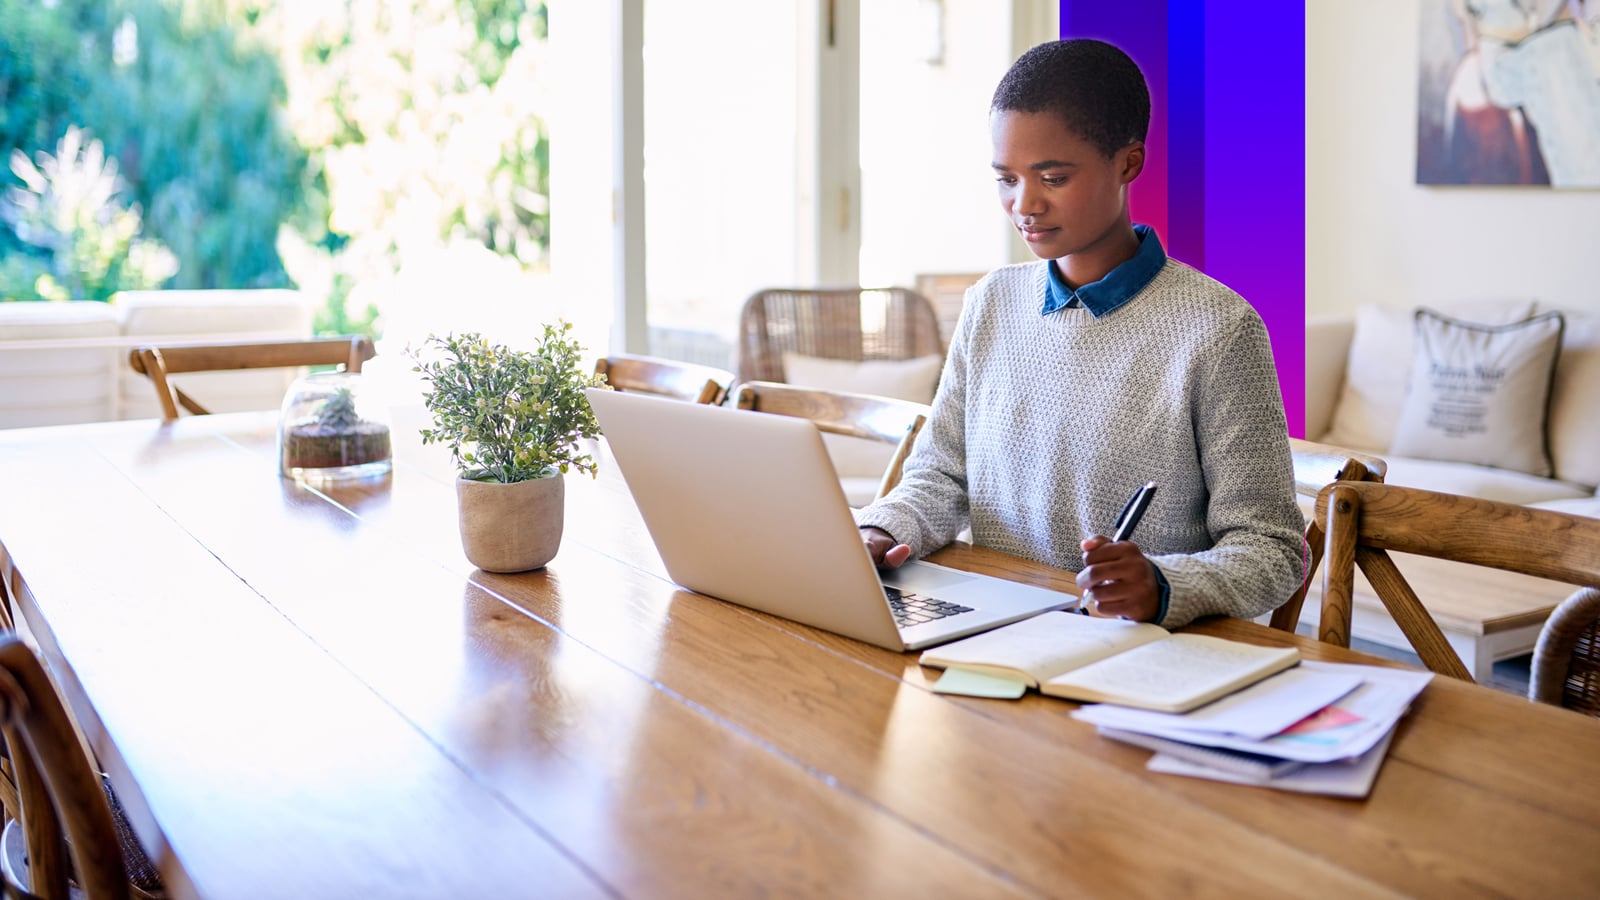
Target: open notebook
1115,661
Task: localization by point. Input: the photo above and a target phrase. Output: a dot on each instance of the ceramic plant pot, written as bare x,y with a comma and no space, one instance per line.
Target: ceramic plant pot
511,527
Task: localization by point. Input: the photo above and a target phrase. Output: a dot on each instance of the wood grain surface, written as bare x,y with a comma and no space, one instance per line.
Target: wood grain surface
312,693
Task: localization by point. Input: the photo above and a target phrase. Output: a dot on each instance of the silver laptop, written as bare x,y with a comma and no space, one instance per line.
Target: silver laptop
745,507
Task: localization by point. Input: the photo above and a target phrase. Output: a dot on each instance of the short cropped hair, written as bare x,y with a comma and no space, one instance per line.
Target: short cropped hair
1096,89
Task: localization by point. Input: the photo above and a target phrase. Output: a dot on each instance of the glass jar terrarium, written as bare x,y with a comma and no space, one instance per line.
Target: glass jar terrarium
330,429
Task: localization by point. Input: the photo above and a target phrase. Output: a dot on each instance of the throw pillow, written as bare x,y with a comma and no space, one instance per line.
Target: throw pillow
903,379
1481,393
1379,367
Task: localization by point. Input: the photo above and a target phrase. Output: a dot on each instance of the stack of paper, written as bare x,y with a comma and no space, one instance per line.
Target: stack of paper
1318,728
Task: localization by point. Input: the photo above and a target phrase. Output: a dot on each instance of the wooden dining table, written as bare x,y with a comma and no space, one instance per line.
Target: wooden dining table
309,692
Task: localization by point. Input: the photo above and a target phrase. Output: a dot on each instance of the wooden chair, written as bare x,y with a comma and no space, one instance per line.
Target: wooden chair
10,806
947,291
160,362
835,323
666,377
1315,466
65,814
1566,661
1366,520
896,422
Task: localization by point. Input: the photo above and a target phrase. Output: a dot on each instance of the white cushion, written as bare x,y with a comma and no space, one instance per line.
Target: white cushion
902,379
908,379
237,314
23,321
1379,369
1327,354
1575,403
1481,393
58,386
1471,480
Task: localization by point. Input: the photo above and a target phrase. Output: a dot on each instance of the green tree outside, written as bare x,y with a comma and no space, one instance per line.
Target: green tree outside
267,144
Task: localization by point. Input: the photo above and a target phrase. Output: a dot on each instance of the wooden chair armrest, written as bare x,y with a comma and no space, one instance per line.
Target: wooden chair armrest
1317,465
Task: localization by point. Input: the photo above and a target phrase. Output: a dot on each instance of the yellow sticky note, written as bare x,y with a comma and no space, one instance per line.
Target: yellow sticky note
978,684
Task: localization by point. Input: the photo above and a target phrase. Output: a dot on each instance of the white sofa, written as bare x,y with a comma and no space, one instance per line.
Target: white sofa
65,363
1357,373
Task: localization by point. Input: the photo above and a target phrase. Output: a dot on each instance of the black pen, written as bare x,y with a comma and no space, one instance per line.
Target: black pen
1128,519
1132,512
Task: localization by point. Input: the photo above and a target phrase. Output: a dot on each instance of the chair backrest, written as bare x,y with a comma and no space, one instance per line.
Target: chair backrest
1365,520
834,323
1315,467
158,363
9,802
665,377
947,291
891,421
1566,661
64,806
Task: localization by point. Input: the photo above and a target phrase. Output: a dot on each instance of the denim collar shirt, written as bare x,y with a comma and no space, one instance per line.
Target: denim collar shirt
1118,286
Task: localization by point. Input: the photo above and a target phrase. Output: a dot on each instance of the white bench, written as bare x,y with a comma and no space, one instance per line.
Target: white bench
65,363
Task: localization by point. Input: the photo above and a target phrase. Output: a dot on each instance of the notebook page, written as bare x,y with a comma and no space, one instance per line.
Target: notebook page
1175,673
1045,645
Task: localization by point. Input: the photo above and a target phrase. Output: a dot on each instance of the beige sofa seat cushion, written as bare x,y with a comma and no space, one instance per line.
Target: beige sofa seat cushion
62,385
160,316
1474,480
1577,506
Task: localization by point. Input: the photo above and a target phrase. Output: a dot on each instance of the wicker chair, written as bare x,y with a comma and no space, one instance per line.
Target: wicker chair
1566,661
835,323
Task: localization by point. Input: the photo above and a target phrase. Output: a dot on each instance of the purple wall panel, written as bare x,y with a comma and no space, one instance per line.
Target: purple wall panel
1147,45
1227,91
1255,139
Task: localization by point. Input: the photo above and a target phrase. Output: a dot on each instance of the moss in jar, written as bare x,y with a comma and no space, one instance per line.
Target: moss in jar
338,437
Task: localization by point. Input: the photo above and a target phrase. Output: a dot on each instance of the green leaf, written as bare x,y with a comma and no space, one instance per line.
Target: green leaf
523,414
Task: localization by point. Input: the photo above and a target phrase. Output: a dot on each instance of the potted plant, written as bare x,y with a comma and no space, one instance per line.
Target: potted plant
513,421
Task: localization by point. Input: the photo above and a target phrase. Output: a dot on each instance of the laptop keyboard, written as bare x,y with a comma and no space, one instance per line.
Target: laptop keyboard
914,609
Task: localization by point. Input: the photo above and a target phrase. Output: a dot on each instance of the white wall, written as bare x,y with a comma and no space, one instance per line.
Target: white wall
928,194
928,200
1373,234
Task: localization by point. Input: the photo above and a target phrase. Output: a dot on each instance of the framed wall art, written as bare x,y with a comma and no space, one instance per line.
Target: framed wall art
1509,93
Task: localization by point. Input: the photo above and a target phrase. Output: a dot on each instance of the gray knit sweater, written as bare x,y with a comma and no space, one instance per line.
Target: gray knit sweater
1044,426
